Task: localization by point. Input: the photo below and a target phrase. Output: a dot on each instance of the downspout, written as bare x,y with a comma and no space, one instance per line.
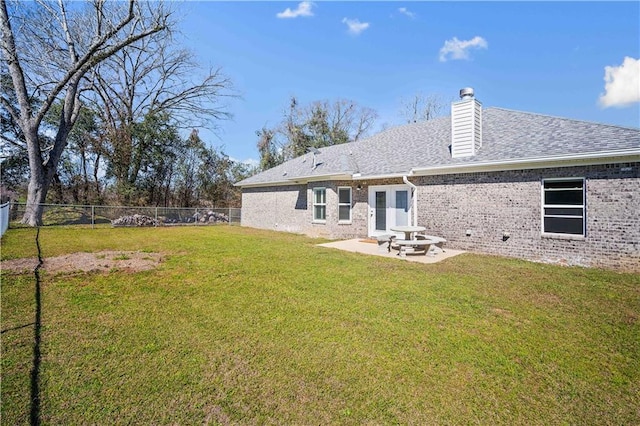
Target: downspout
414,192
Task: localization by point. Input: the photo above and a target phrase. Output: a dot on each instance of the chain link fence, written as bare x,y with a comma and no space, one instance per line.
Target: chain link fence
70,214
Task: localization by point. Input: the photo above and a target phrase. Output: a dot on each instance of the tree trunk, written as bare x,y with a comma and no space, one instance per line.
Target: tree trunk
38,185
36,197
96,168
85,176
43,172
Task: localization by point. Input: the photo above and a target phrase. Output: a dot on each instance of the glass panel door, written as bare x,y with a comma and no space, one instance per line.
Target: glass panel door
389,206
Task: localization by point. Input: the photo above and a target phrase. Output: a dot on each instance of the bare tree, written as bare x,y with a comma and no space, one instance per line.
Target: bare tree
421,107
48,48
151,79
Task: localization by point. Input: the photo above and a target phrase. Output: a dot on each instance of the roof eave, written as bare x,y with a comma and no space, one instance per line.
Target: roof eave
298,180
359,176
620,156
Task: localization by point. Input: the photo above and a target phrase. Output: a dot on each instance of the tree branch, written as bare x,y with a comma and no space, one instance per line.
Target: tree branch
65,27
93,56
15,115
15,69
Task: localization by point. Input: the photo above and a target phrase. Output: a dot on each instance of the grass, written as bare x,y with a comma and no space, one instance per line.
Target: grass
246,326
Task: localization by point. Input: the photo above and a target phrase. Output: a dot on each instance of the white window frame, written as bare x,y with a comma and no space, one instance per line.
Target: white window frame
582,206
316,204
349,204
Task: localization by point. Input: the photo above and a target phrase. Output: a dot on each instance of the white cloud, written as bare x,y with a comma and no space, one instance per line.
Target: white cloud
355,26
406,12
622,84
459,49
304,9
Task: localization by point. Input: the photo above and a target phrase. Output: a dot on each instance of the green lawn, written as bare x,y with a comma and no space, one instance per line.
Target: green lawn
243,326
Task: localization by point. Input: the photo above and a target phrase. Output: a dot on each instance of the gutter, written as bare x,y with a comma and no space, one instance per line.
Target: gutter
358,176
630,155
311,178
297,180
414,192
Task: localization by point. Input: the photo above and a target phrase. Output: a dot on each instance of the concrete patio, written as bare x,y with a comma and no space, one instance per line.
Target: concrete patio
359,245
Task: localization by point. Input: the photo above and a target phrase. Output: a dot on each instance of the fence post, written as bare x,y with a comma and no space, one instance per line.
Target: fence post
156,215
93,216
5,210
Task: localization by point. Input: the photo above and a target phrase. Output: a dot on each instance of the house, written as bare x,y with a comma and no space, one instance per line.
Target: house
488,180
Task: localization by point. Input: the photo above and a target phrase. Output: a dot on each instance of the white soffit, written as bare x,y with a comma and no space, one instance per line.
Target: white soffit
533,163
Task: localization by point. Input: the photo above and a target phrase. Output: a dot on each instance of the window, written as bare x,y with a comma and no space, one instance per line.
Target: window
319,204
563,206
344,205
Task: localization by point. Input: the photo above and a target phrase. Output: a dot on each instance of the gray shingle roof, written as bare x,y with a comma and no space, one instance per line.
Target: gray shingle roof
507,136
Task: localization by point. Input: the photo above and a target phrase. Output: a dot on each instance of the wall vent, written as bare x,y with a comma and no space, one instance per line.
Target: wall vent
466,125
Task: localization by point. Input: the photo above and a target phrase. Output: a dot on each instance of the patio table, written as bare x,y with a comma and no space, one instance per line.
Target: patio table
408,230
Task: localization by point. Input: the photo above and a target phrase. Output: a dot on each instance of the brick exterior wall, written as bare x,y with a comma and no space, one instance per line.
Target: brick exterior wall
490,204
290,209
282,208
487,204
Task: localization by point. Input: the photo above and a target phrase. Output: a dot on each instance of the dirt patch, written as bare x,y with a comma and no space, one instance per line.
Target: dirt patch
132,261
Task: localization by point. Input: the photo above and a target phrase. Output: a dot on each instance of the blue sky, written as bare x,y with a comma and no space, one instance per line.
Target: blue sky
544,57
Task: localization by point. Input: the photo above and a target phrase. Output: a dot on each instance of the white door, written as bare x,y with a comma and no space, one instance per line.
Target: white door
388,206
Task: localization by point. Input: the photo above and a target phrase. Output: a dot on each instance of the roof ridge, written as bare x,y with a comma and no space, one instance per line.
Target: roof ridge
563,118
415,123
